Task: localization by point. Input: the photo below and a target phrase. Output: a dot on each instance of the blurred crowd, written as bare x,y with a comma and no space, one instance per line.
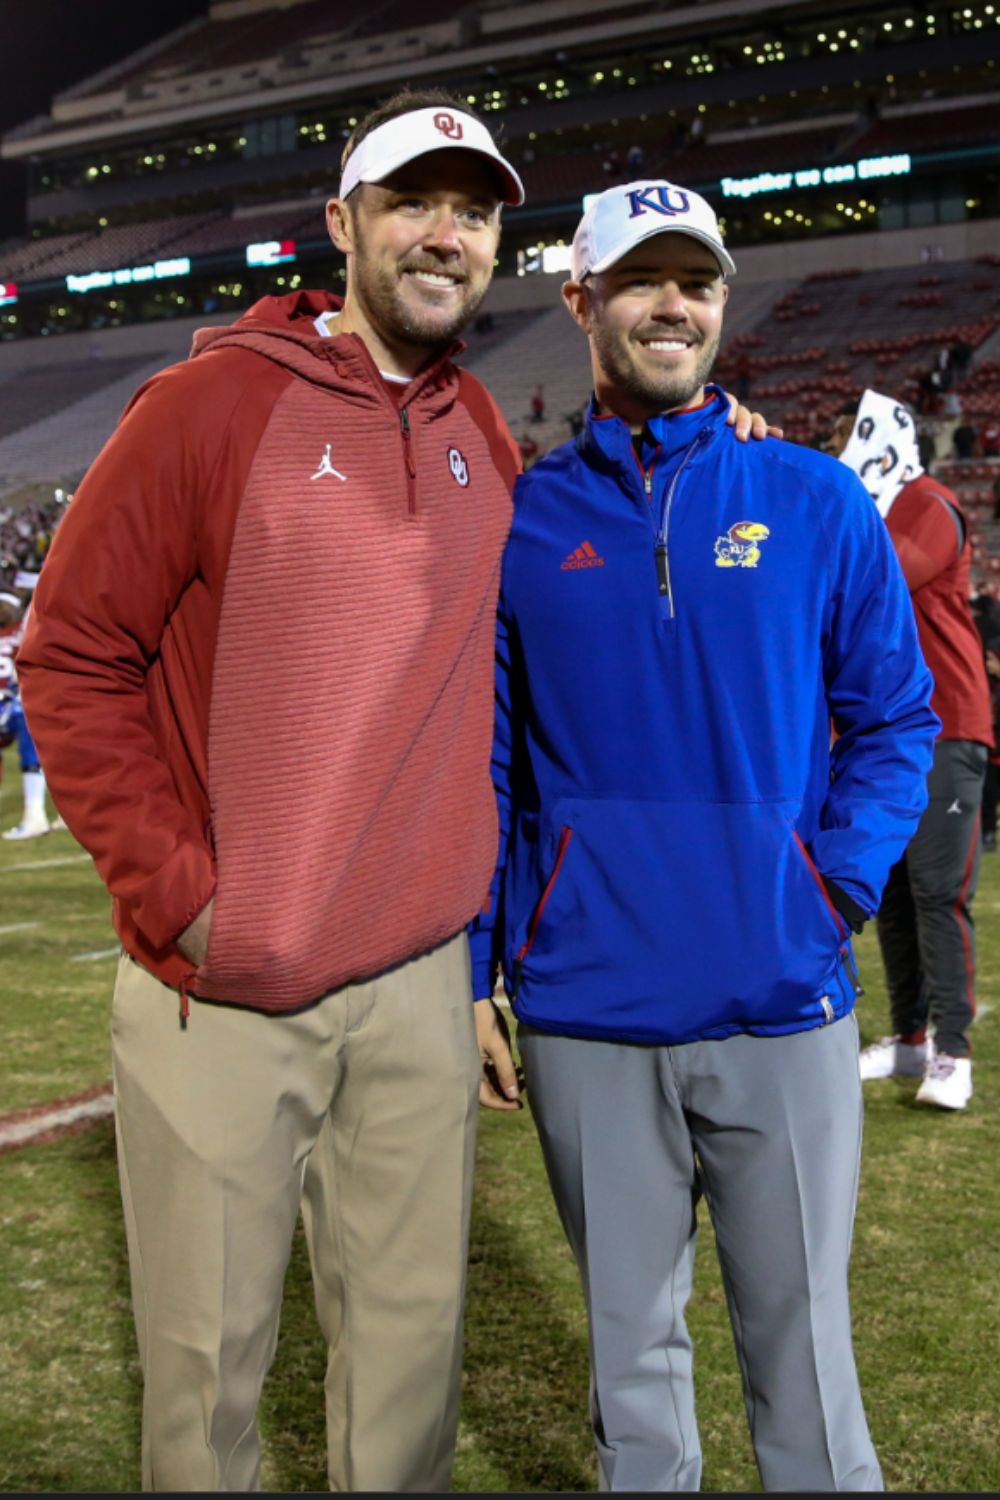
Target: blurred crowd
26,534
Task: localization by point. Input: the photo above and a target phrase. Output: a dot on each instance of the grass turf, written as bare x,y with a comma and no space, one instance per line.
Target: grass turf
925,1276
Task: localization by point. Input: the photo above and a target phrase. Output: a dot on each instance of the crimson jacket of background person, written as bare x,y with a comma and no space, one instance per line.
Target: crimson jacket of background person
260,661
930,536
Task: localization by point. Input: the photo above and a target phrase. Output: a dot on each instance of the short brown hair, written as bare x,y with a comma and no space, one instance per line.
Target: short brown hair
404,103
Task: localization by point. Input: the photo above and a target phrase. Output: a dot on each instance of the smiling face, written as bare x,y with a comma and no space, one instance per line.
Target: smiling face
654,321
420,248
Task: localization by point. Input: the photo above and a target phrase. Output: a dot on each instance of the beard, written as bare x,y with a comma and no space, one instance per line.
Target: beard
657,390
380,287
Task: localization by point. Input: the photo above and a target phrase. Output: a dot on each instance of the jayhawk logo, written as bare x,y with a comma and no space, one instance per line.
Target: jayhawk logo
739,547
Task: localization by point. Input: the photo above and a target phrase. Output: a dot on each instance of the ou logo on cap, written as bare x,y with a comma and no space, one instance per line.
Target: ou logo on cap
448,125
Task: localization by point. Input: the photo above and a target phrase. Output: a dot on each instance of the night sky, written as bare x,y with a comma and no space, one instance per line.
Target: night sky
47,45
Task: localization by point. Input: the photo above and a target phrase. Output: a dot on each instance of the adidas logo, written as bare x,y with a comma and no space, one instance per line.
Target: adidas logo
583,557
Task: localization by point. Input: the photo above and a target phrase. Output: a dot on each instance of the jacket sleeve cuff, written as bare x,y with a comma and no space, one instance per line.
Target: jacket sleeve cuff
484,966
846,905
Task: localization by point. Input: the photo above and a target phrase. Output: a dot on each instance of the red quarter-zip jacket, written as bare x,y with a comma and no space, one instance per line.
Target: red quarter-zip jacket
259,664
935,556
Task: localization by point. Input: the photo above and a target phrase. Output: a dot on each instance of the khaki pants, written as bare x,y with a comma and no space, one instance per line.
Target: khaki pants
362,1107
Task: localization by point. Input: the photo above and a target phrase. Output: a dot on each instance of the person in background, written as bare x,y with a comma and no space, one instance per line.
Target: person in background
683,857
538,404
34,821
964,438
989,443
528,449
925,924
986,615
991,782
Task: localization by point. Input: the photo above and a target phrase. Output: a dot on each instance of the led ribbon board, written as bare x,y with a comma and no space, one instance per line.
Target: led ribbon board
865,170
8,293
127,275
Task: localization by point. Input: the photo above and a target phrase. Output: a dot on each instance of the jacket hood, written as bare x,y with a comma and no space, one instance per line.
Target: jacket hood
283,329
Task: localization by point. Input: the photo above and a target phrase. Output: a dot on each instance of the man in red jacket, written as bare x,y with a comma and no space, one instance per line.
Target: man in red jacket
291,1017
925,924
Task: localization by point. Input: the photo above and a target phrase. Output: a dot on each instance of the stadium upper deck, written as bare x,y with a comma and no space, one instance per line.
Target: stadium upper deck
222,134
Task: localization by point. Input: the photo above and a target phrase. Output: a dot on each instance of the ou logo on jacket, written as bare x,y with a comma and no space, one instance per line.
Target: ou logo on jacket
459,468
448,125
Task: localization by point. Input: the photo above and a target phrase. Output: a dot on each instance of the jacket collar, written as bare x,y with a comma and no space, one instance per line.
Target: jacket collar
283,329
607,441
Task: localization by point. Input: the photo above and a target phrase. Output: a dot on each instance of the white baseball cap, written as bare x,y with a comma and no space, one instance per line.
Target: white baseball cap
392,145
622,217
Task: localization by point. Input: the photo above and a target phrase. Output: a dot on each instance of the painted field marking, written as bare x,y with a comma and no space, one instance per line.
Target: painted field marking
47,1122
44,864
18,927
98,953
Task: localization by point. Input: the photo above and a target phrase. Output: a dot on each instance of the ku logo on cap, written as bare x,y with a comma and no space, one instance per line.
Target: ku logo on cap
448,125
659,200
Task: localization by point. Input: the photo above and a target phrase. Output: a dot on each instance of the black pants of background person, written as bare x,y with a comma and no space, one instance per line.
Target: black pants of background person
991,798
925,926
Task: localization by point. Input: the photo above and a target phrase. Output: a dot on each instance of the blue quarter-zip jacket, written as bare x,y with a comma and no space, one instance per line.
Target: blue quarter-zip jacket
673,644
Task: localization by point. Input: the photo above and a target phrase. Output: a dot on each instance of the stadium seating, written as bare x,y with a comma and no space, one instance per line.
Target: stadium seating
31,396
841,333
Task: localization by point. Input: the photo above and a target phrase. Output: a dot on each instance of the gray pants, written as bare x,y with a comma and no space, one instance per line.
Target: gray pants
770,1130
925,927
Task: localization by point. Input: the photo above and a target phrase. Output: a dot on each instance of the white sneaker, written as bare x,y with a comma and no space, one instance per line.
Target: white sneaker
29,828
947,1082
893,1058
58,825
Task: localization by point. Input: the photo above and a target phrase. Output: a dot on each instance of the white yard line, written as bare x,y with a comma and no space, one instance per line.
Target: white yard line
25,1126
98,953
18,927
44,864
983,1010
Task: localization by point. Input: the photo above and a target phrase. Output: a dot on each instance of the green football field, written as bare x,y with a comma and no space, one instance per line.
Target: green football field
926,1269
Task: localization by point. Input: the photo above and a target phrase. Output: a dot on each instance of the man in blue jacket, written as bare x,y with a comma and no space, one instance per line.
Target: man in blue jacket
684,856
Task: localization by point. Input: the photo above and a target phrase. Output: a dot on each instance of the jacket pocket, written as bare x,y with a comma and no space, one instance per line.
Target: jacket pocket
659,920
562,848
842,929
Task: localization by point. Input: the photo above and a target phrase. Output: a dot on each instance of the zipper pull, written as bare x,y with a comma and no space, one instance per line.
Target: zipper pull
855,977
411,468
647,483
661,567
404,426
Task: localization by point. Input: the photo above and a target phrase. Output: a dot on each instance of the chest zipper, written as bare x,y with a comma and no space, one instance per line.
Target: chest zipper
411,468
661,546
